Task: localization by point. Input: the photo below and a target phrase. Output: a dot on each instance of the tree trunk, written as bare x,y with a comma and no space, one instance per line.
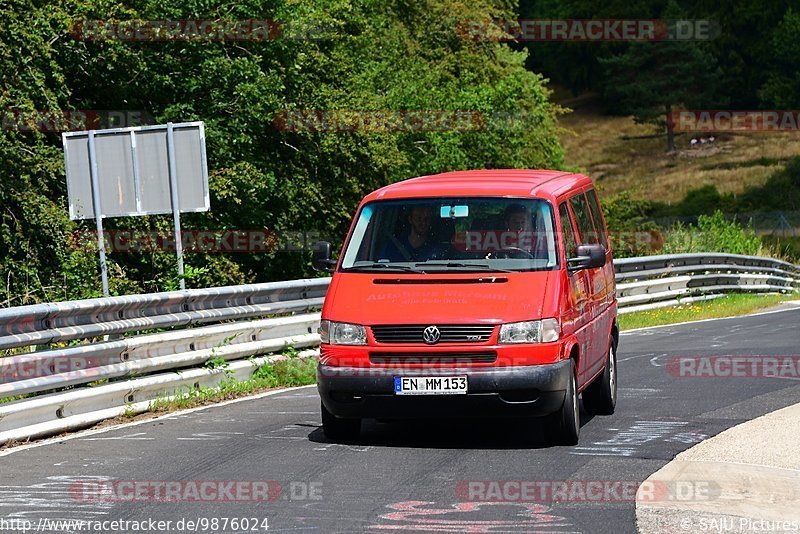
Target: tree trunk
670,130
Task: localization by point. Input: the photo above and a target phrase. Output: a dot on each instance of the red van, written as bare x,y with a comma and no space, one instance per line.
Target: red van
471,294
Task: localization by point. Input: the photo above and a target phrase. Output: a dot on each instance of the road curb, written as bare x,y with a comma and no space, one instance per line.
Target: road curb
750,475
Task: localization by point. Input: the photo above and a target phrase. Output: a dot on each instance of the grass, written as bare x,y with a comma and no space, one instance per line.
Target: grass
624,156
286,373
785,247
727,306
16,398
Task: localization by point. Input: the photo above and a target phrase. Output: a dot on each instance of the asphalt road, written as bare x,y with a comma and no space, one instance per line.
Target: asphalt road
405,476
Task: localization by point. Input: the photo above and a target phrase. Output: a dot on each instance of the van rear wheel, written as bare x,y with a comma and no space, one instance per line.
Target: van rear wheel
565,424
338,428
600,397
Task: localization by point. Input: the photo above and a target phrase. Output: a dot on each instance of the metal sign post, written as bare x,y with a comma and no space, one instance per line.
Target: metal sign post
176,211
145,170
101,242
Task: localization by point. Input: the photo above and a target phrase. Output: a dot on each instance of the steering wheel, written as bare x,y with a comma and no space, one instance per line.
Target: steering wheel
518,252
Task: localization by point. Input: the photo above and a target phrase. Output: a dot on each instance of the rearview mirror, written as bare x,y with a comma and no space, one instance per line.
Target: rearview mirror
589,257
451,212
321,257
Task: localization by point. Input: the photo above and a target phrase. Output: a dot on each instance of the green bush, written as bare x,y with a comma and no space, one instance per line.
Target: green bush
713,233
630,228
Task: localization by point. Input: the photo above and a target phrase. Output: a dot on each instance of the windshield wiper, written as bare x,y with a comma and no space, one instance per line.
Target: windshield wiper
451,264
404,268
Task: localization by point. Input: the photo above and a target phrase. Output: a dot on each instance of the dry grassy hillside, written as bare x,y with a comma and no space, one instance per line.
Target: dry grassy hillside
622,155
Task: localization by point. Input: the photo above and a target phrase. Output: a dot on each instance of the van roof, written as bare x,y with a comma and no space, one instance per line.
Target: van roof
497,182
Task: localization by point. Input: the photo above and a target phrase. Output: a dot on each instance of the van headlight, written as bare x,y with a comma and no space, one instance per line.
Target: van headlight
542,331
342,333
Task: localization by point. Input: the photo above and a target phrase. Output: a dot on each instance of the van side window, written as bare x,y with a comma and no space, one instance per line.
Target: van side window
594,207
570,245
580,208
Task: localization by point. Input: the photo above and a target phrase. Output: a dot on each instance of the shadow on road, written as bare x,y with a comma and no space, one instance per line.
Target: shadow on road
452,433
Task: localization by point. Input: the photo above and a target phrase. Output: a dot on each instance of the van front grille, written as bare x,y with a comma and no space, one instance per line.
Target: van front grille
447,333
432,358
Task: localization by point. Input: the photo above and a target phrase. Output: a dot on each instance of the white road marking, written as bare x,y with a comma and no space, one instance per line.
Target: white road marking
634,357
211,436
138,436
355,448
50,497
626,442
91,432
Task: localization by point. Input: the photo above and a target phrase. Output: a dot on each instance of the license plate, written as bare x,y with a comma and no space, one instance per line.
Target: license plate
430,385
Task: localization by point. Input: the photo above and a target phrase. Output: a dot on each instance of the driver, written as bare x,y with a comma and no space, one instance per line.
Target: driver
418,244
516,218
517,233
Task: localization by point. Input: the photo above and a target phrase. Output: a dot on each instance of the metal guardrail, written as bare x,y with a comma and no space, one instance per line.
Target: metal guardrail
81,319
115,376
650,282
106,373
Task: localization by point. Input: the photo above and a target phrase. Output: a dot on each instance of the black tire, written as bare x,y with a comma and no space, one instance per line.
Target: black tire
565,424
338,428
600,397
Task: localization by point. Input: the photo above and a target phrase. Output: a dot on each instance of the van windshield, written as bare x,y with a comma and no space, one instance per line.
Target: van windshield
453,234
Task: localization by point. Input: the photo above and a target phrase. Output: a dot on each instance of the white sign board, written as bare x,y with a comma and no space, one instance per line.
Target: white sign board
144,170
133,171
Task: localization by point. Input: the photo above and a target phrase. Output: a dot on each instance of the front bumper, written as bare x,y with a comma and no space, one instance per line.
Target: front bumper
513,391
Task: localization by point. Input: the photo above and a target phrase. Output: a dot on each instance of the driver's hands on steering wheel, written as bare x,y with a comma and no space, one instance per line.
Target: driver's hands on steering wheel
511,252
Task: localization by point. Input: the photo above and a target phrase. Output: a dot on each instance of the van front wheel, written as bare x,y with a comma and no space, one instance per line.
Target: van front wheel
565,424
600,397
337,428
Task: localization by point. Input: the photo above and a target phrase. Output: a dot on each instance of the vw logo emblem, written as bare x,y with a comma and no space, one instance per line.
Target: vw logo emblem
431,335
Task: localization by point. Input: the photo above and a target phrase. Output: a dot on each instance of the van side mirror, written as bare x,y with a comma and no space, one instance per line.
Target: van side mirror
321,257
589,257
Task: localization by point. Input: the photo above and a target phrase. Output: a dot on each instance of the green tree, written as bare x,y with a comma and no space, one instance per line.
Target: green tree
782,89
650,78
741,43
743,47
371,55
583,57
